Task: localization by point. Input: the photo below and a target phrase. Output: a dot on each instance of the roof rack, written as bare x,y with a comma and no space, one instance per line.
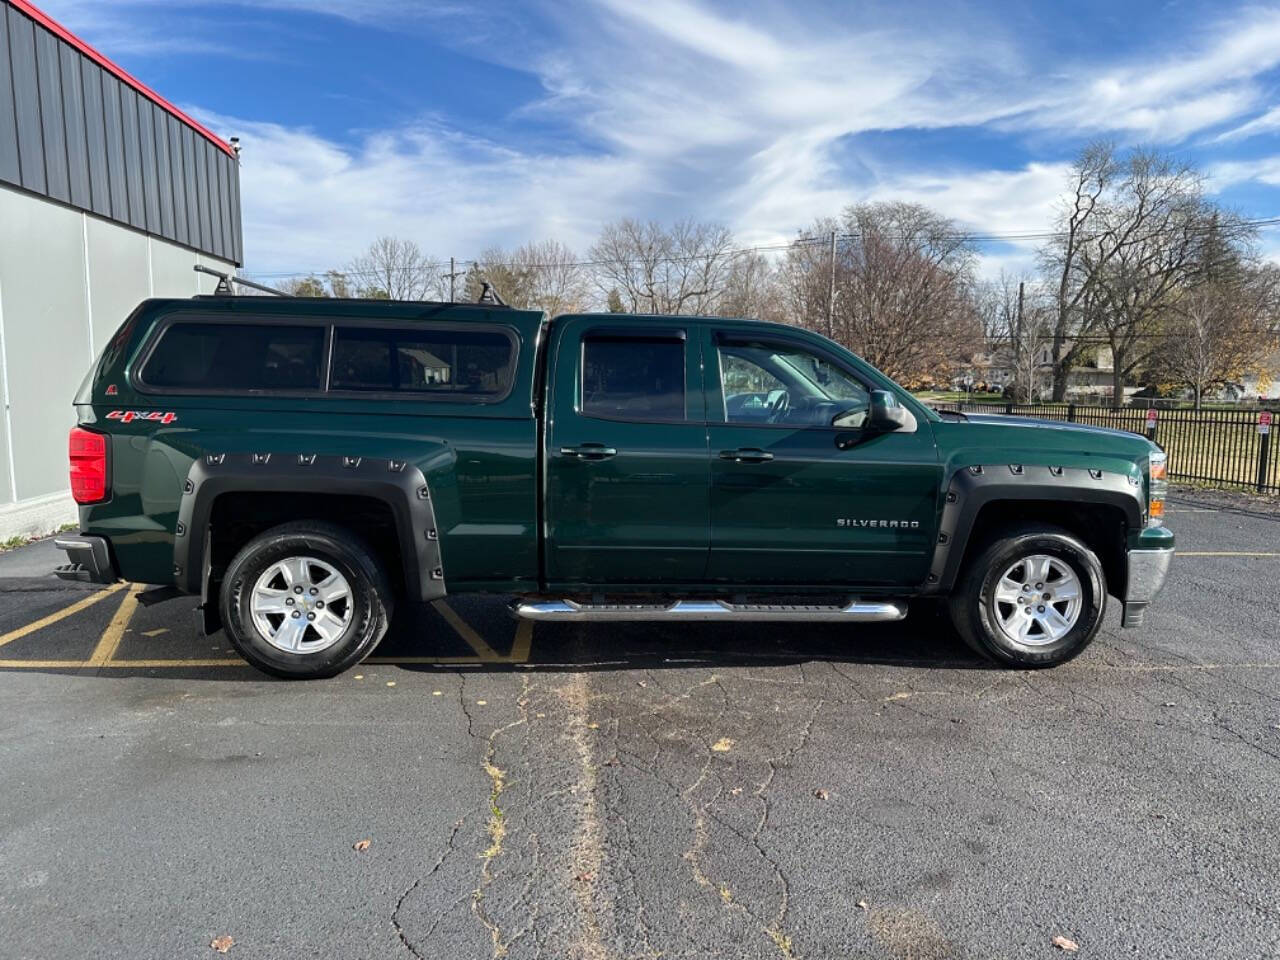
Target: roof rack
225,280
489,296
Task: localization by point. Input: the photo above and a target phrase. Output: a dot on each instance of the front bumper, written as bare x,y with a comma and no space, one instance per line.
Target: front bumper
1148,570
90,559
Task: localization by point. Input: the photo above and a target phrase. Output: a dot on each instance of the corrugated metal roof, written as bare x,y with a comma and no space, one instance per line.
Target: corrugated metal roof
78,129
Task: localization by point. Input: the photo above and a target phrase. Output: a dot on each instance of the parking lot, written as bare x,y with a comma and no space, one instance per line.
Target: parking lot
635,791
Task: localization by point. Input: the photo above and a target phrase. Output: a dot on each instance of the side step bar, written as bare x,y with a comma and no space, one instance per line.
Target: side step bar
856,611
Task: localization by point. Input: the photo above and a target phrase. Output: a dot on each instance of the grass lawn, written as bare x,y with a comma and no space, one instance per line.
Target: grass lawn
954,396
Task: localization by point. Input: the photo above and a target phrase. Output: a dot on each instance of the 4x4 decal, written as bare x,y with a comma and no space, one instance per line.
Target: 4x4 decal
128,416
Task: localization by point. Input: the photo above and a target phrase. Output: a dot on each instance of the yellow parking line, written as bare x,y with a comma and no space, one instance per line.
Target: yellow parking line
1222,553
199,662
111,637
463,629
40,664
60,615
523,641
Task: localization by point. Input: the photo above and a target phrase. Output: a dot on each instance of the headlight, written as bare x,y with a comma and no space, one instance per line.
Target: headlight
1158,487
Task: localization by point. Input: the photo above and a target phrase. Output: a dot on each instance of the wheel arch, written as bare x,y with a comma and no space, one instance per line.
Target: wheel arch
1097,506
399,487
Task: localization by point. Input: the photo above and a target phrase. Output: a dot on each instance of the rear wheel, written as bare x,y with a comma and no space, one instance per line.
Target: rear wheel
1033,598
305,600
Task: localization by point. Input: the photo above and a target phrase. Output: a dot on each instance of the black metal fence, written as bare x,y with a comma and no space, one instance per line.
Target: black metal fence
1230,448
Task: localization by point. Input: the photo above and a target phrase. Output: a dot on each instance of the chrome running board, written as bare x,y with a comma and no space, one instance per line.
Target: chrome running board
856,611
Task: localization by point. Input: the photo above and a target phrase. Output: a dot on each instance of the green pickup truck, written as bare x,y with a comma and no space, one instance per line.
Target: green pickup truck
303,465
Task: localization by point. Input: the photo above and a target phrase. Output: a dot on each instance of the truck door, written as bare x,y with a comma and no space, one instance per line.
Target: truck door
626,454
795,500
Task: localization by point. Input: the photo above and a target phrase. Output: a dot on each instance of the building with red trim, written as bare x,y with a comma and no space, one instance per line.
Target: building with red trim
109,194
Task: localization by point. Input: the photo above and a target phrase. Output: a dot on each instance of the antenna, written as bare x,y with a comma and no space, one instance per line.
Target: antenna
225,280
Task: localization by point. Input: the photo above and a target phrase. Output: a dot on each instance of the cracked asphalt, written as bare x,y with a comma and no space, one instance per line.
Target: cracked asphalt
641,791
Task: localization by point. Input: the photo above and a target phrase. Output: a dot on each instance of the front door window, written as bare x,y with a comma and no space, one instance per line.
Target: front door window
788,386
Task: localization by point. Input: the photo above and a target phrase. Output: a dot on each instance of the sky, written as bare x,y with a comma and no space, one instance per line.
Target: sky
464,125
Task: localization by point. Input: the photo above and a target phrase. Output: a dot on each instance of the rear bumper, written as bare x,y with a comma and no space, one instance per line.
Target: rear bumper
1148,570
89,559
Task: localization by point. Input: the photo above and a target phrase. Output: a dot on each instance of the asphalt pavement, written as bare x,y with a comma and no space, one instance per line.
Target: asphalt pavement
620,791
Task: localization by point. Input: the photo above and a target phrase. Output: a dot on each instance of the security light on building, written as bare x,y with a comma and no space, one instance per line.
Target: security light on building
109,194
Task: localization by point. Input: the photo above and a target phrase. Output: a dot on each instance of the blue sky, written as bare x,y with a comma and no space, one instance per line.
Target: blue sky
467,124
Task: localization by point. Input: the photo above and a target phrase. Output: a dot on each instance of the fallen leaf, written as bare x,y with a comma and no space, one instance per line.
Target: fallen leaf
1066,944
539,715
156,632
222,944
594,726
862,905
583,878
723,745
611,762
897,696
736,791
361,844
821,794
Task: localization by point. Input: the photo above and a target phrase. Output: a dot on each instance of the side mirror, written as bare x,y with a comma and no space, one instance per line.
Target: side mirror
889,416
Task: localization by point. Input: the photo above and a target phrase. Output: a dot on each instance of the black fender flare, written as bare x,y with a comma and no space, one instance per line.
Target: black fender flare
972,488
397,483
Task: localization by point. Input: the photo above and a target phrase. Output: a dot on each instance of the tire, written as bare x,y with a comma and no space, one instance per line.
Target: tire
990,616
291,569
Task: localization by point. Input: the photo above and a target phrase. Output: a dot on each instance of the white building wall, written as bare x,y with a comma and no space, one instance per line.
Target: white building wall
67,280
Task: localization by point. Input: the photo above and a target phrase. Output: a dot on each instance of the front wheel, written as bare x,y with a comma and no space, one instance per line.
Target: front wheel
305,600
1033,598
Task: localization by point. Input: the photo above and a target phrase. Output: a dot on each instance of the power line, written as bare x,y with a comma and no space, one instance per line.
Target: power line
962,236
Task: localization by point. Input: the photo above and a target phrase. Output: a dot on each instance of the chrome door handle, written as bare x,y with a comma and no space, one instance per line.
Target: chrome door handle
589,451
746,455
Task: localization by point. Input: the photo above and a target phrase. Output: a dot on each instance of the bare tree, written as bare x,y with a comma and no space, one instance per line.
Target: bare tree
1091,177
1017,319
395,269
904,291
681,269
752,289
543,275
1157,239
806,276
1222,330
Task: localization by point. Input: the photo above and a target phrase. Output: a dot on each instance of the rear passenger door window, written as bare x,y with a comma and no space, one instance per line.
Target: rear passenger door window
633,378
240,357
473,364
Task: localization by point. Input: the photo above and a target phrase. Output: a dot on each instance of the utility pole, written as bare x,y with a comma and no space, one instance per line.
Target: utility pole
831,292
453,274
1020,347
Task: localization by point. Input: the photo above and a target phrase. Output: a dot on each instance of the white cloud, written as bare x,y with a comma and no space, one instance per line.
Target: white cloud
1169,97
750,115
310,204
1265,170
1268,122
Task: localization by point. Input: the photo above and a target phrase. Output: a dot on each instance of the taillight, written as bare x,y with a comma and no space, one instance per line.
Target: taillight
88,452
1158,465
